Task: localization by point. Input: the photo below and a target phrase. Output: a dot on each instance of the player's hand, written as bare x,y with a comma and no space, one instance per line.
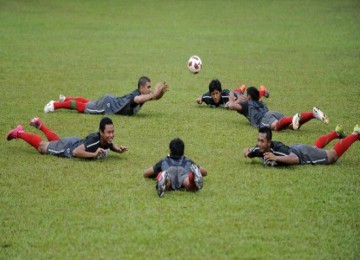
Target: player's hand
268,156
165,87
160,89
100,152
157,90
199,100
122,149
246,152
230,104
232,97
241,98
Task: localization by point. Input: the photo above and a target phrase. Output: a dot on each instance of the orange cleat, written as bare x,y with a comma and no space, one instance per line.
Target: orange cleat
263,92
241,89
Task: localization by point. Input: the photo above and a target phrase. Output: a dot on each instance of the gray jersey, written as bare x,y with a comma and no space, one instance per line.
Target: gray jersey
109,104
307,154
254,111
177,167
258,114
65,146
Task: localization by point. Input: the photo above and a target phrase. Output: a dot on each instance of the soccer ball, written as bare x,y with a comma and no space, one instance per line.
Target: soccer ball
194,64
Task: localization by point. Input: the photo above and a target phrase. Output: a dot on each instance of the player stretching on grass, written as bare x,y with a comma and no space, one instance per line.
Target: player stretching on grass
218,97
259,115
275,153
96,145
129,104
175,171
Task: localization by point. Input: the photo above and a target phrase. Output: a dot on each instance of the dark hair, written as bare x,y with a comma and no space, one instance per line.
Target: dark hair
253,93
215,84
177,147
103,122
267,131
142,81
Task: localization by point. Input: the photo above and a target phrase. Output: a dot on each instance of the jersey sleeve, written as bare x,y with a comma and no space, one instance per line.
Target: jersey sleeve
207,99
280,149
244,108
225,96
255,152
91,142
157,169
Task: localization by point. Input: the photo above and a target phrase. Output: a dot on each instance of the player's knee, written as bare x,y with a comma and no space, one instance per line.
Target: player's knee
332,156
273,125
43,147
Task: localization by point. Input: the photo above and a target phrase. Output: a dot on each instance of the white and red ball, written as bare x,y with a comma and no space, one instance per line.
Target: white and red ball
194,64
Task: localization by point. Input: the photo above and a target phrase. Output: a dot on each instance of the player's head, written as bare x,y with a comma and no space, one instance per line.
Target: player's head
177,147
215,90
215,84
264,139
253,93
144,85
106,130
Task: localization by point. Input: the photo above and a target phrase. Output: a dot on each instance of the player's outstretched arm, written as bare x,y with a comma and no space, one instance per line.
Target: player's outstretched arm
140,99
148,172
160,89
118,149
232,104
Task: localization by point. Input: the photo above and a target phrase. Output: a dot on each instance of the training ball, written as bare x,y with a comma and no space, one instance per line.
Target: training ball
194,64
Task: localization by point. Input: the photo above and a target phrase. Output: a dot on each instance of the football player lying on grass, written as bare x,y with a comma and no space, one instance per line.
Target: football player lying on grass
175,171
129,104
274,153
96,145
260,116
218,97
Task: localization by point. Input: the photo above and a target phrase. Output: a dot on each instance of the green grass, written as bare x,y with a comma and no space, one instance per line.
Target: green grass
305,52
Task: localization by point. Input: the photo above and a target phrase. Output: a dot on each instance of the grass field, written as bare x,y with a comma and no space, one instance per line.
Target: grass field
305,52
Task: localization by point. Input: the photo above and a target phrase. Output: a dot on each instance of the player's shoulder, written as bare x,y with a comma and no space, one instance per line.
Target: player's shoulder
225,92
275,144
93,136
187,159
278,146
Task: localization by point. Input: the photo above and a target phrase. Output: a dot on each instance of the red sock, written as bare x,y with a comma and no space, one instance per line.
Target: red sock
305,117
341,146
262,93
283,123
70,104
323,140
192,185
65,104
50,135
80,99
31,139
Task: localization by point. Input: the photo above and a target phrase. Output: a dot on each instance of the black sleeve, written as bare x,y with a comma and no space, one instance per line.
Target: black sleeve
157,169
206,97
280,149
225,92
225,96
244,108
91,143
255,152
